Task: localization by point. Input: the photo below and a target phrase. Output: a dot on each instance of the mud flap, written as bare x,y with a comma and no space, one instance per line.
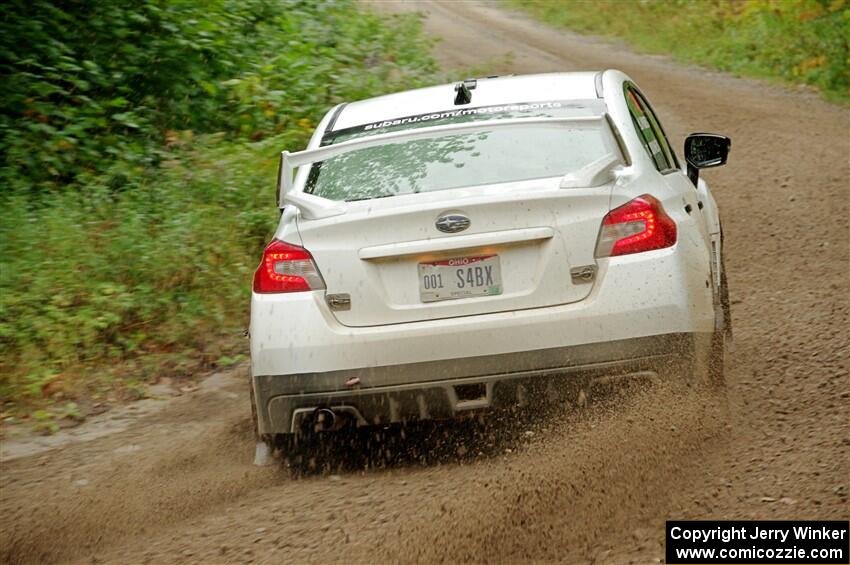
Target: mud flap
263,454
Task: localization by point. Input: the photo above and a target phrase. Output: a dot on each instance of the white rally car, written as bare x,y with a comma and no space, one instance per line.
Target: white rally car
442,250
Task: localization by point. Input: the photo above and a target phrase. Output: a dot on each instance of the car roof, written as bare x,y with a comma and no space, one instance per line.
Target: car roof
488,91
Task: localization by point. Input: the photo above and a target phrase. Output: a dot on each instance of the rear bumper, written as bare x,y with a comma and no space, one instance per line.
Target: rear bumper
642,308
399,393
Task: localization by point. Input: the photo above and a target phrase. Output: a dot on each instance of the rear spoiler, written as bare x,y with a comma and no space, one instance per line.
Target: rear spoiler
315,207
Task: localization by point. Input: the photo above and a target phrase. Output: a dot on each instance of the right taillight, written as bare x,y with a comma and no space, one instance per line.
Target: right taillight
638,225
286,268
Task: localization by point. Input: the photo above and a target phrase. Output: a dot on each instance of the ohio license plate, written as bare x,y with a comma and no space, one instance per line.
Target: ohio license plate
461,277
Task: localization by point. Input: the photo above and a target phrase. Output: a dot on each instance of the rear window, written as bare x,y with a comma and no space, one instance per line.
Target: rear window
468,159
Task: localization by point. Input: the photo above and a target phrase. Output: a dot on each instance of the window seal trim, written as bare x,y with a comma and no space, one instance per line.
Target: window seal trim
678,165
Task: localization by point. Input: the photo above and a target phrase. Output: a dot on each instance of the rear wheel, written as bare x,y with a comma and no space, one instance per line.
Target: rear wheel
716,360
254,421
722,330
693,366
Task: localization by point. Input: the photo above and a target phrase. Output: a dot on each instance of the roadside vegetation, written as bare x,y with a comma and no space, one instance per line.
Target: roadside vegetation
799,41
140,145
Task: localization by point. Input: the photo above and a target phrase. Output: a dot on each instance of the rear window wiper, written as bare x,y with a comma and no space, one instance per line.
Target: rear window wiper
369,198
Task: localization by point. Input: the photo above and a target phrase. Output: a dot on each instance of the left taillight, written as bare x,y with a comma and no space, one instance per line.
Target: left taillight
286,268
636,226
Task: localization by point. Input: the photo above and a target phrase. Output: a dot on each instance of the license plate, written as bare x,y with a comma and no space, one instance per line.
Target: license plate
461,277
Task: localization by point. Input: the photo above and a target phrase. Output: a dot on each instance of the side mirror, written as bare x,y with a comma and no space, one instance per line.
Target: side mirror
705,150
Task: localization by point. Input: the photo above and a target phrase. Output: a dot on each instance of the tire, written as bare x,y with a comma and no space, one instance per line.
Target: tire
725,304
700,366
717,357
717,360
254,420
686,368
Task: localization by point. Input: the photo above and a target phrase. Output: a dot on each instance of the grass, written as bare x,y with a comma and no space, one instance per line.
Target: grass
109,291
797,41
136,270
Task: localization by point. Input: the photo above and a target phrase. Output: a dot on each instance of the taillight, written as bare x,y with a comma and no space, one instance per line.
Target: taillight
638,225
286,268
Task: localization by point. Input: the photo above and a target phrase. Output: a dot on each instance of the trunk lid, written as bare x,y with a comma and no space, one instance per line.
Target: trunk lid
537,230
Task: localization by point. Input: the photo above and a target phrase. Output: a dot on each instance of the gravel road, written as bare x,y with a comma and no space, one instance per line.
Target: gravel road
172,481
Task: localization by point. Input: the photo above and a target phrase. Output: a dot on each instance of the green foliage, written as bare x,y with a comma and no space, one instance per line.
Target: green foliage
140,144
44,422
91,84
163,261
226,360
802,41
72,412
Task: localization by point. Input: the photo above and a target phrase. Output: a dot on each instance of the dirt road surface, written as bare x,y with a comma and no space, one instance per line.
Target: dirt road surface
175,483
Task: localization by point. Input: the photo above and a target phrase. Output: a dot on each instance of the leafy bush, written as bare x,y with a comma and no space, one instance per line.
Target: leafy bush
91,83
803,41
140,145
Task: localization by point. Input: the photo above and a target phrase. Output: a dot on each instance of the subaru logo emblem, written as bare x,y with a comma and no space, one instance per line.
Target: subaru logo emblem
452,223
